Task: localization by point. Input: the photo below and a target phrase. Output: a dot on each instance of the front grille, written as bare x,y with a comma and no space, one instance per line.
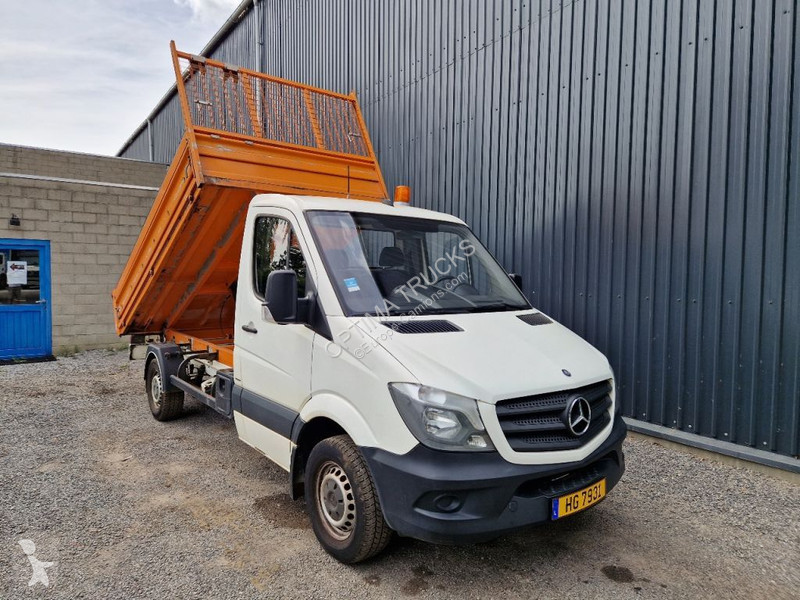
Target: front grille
536,423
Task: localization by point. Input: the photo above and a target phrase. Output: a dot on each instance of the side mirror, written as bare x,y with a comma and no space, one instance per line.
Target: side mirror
516,278
280,297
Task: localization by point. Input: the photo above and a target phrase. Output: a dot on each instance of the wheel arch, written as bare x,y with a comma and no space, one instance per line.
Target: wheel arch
169,358
307,435
324,415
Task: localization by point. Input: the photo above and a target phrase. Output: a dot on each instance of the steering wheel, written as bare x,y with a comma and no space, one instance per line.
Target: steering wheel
454,281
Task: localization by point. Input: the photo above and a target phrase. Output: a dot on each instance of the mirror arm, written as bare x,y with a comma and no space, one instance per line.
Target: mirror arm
516,278
306,307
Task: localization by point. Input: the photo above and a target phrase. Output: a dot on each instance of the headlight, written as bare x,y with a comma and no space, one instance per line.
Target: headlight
439,419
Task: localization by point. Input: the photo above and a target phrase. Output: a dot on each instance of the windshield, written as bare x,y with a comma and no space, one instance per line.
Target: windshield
386,264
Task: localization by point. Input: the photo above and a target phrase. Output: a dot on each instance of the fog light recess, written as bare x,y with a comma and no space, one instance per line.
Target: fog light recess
447,503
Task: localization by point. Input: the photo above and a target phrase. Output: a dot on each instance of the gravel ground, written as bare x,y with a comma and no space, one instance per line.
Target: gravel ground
127,507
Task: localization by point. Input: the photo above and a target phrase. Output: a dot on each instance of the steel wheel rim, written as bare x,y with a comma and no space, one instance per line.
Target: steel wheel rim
155,390
336,502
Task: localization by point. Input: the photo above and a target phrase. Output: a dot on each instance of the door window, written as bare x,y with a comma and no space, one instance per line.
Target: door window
19,276
276,247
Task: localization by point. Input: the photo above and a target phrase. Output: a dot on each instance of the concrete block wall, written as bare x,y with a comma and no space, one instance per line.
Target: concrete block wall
91,208
76,165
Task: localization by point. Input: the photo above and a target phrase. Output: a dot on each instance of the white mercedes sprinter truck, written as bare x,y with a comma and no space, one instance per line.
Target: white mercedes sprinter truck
384,358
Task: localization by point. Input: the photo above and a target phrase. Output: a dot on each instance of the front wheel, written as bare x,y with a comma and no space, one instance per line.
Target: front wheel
164,405
343,503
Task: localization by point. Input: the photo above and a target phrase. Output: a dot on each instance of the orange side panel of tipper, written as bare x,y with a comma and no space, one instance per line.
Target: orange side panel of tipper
246,133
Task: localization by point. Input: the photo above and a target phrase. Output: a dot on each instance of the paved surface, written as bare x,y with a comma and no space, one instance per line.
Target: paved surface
131,508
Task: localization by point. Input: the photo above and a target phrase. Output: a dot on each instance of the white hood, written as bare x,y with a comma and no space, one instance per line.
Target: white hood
496,356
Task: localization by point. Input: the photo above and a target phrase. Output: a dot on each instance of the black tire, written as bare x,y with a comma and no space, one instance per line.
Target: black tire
360,532
165,406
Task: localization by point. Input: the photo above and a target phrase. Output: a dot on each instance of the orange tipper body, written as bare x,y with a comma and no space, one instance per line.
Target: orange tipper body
246,133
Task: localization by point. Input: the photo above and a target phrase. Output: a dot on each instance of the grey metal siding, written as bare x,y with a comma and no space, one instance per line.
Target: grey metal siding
167,130
239,48
139,147
637,162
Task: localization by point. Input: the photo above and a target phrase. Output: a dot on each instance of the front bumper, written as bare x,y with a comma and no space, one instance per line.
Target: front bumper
463,498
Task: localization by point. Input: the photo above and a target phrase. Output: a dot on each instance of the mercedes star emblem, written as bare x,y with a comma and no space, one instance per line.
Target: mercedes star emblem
579,416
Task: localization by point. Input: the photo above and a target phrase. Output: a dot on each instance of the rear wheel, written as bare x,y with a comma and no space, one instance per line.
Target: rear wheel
343,503
164,405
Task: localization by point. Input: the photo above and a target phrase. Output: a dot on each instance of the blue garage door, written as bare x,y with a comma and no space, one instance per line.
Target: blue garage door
25,315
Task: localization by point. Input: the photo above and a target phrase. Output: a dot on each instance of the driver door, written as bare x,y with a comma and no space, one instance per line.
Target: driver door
272,362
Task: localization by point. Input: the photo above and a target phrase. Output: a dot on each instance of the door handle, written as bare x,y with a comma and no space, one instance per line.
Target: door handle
250,328
41,302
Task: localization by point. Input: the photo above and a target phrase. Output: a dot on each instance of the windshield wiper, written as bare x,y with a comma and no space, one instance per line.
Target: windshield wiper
425,310
443,310
455,310
496,306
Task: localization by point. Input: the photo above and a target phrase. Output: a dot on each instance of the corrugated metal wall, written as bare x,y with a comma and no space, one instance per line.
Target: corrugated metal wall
239,46
637,162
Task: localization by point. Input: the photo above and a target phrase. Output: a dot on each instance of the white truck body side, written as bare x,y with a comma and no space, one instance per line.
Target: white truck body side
472,412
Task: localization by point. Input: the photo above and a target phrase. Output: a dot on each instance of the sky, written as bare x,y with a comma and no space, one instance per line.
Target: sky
81,75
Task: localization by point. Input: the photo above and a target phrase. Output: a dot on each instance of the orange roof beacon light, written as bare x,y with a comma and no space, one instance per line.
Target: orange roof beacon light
402,195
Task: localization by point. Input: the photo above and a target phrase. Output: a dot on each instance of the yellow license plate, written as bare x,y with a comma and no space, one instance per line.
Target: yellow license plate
577,501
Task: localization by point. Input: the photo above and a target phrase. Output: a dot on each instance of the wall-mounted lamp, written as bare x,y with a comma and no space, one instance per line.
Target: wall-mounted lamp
14,221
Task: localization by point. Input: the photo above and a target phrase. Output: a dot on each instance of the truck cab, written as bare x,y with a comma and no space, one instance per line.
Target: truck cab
385,360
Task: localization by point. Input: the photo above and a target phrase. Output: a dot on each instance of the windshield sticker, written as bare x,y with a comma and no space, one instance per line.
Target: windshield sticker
352,284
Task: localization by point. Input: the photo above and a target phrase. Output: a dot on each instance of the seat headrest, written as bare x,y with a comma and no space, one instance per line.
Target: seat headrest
392,256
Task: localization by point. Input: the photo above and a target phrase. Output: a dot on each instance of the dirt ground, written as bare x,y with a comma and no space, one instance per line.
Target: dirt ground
127,507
